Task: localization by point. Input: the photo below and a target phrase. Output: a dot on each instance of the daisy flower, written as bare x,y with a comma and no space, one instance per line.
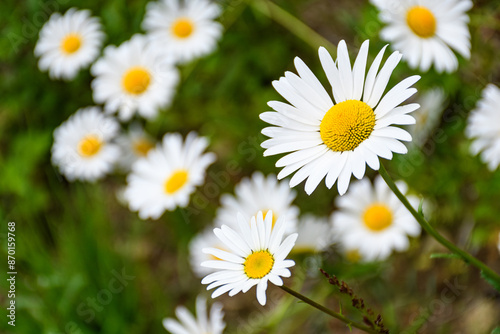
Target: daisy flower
426,31
428,116
259,193
135,144
168,175
134,77
371,220
68,43
204,239
82,146
334,140
256,256
483,127
201,323
186,28
315,235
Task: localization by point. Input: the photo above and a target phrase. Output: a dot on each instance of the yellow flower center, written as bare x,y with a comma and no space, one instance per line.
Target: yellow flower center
275,216
353,256
176,181
421,21
136,80
258,264
71,43
346,125
89,146
377,217
142,146
182,28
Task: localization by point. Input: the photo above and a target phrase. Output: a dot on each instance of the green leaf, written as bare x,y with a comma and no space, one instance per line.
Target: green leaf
445,256
496,331
494,283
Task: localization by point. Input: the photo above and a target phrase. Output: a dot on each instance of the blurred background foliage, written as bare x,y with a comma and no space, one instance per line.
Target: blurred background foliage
73,238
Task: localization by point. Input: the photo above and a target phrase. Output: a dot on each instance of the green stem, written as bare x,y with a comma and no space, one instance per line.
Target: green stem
327,310
468,258
292,23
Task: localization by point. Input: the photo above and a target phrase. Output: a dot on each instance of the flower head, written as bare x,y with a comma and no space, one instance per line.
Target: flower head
168,175
334,140
82,146
69,43
371,220
255,256
425,31
135,144
315,234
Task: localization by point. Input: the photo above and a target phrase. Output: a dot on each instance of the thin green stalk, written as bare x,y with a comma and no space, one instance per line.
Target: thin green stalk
292,23
468,258
327,310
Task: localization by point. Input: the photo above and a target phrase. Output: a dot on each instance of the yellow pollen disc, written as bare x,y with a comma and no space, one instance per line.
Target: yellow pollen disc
421,21
346,125
136,80
142,147
353,256
275,216
182,28
71,43
176,181
258,264
377,217
89,146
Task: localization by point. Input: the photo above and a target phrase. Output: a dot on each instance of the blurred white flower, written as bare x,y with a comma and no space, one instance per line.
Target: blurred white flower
428,116
135,144
168,175
82,146
204,239
425,31
259,193
199,324
69,43
256,255
315,234
186,29
330,141
372,220
134,77
483,127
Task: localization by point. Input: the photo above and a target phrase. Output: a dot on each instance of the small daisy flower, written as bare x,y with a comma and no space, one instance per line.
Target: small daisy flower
186,28
426,31
168,175
199,324
483,127
371,220
256,256
69,43
334,140
82,146
428,116
259,193
134,77
135,144
315,235
205,239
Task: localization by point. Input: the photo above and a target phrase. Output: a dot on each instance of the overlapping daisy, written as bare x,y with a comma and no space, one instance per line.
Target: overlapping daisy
323,139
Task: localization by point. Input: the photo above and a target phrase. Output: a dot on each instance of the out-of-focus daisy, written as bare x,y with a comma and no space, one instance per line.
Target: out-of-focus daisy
315,235
372,220
69,43
483,127
256,256
199,324
499,242
259,193
205,239
427,116
185,28
82,148
135,144
334,140
425,31
134,77
168,175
